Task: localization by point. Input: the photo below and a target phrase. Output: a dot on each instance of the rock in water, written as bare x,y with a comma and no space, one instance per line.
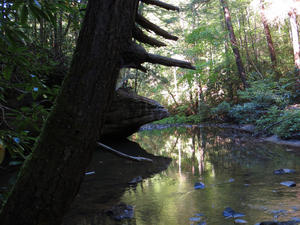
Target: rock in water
128,112
136,180
199,185
230,213
278,223
121,211
288,183
283,171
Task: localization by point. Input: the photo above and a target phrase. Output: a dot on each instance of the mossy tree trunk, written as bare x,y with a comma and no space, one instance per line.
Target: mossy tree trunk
52,175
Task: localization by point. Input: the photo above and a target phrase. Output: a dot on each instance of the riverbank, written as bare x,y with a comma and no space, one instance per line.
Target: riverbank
248,128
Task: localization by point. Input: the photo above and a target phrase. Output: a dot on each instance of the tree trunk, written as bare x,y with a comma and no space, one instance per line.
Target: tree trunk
269,39
295,40
51,176
238,59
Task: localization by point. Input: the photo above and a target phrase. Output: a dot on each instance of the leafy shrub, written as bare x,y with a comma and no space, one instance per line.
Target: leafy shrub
266,93
268,120
288,124
263,101
247,113
221,111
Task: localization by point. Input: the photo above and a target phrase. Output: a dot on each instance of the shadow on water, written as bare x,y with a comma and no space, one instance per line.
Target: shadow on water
107,182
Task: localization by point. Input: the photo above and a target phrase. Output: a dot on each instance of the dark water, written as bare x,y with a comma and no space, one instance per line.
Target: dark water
237,172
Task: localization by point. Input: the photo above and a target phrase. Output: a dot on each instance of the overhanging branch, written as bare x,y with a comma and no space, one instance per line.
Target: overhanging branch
156,29
161,4
135,55
139,35
162,60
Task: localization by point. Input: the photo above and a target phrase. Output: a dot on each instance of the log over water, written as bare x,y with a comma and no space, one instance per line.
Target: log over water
128,112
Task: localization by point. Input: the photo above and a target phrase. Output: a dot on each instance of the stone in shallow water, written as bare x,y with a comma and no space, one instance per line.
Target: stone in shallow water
278,223
283,171
195,219
288,183
121,211
199,185
229,213
136,180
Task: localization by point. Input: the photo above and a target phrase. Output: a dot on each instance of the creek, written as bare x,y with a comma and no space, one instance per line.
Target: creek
237,171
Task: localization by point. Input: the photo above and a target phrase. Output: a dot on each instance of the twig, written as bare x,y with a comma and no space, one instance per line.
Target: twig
121,154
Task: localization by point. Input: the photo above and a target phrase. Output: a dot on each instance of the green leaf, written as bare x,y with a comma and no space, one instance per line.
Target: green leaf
7,72
24,14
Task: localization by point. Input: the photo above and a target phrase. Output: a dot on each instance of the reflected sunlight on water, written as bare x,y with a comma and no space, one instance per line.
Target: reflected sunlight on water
237,173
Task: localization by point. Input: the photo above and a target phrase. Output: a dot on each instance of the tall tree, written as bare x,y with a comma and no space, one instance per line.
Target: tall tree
51,176
234,45
268,36
295,39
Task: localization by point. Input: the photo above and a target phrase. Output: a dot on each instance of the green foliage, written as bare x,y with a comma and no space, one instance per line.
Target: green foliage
262,99
266,107
269,119
221,109
266,93
181,119
288,124
246,113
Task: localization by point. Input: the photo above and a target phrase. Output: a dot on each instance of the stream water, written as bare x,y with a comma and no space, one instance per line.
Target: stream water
237,172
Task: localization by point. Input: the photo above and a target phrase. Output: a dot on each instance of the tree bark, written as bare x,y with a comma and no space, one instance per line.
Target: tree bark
234,46
269,38
295,40
51,176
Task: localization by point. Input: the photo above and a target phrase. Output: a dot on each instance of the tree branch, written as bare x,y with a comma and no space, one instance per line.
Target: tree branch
123,155
156,29
136,55
162,60
161,4
139,35
136,66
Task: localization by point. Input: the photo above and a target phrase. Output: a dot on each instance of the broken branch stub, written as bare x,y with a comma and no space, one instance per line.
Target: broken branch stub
134,55
158,59
161,4
142,21
139,35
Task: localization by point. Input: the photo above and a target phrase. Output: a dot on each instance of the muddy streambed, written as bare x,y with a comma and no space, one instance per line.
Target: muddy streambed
233,170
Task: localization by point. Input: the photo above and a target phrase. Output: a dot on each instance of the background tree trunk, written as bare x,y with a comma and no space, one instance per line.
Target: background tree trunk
295,40
52,174
269,39
234,45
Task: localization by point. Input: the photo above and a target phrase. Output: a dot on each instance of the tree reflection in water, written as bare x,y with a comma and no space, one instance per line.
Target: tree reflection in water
236,169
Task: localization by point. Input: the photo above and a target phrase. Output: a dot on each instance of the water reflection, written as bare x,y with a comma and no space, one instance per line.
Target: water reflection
237,172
